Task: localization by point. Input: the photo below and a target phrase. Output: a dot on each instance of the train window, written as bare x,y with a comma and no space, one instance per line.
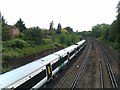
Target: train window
33,81
78,48
82,44
72,53
68,55
55,65
64,58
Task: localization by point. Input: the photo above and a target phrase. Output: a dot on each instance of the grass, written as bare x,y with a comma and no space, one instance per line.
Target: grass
11,54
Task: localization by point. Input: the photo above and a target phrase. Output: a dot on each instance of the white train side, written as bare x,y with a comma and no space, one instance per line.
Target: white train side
38,72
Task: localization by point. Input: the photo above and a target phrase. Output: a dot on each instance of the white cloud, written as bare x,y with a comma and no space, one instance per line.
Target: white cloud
79,14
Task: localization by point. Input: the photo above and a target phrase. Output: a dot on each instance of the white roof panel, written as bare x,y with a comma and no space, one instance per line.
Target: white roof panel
61,52
19,73
70,48
48,58
79,43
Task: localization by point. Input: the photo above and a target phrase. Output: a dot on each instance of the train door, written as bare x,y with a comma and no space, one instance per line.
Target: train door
68,56
75,51
49,71
61,62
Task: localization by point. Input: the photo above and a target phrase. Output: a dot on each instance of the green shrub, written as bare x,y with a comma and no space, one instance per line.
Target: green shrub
15,43
6,69
116,45
67,38
47,41
57,44
9,56
6,49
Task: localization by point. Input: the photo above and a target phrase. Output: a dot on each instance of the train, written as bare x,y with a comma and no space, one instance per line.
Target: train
39,72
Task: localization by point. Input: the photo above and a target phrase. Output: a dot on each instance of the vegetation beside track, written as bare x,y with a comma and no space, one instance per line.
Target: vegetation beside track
19,41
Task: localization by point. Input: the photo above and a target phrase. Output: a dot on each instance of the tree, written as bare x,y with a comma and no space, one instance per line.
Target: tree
113,32
59,28
118,20
20,25
118,7
3,21
96,30
5,33
51,25
34,35
105,31
69,29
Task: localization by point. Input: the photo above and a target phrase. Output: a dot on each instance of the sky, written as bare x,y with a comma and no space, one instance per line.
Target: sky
80,15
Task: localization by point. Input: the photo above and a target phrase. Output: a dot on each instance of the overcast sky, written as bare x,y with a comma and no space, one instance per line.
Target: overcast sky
78,14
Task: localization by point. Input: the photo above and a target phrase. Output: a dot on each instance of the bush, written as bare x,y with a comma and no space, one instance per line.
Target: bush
6,69
9,56
58,45
67,38
116,46
47,41
6,49
33,34
15,43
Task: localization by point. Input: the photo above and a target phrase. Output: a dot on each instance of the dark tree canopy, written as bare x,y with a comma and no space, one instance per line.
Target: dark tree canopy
3,21
69,29
20,25
5,33
59,28
118,7
33,34
51,26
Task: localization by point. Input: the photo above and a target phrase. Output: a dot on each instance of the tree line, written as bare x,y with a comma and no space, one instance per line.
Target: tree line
34,39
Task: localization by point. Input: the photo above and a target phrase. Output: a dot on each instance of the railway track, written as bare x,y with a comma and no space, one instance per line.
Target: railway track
93,69
92,72
98,53
81,70
101,76
78,66
109,69
111,75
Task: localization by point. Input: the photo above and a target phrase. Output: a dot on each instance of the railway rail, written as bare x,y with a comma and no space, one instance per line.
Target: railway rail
95,69
81,70
101,76
72,71
78,66
109,69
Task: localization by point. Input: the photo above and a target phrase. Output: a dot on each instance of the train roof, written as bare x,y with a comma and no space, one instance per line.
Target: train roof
48,58
61,52
19,73
72,47
81,42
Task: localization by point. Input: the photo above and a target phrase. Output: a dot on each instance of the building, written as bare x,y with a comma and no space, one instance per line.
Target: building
13,31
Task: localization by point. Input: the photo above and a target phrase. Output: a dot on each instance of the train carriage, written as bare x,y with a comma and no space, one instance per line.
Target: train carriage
38,72
81,44
71,50
17,77
63,55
